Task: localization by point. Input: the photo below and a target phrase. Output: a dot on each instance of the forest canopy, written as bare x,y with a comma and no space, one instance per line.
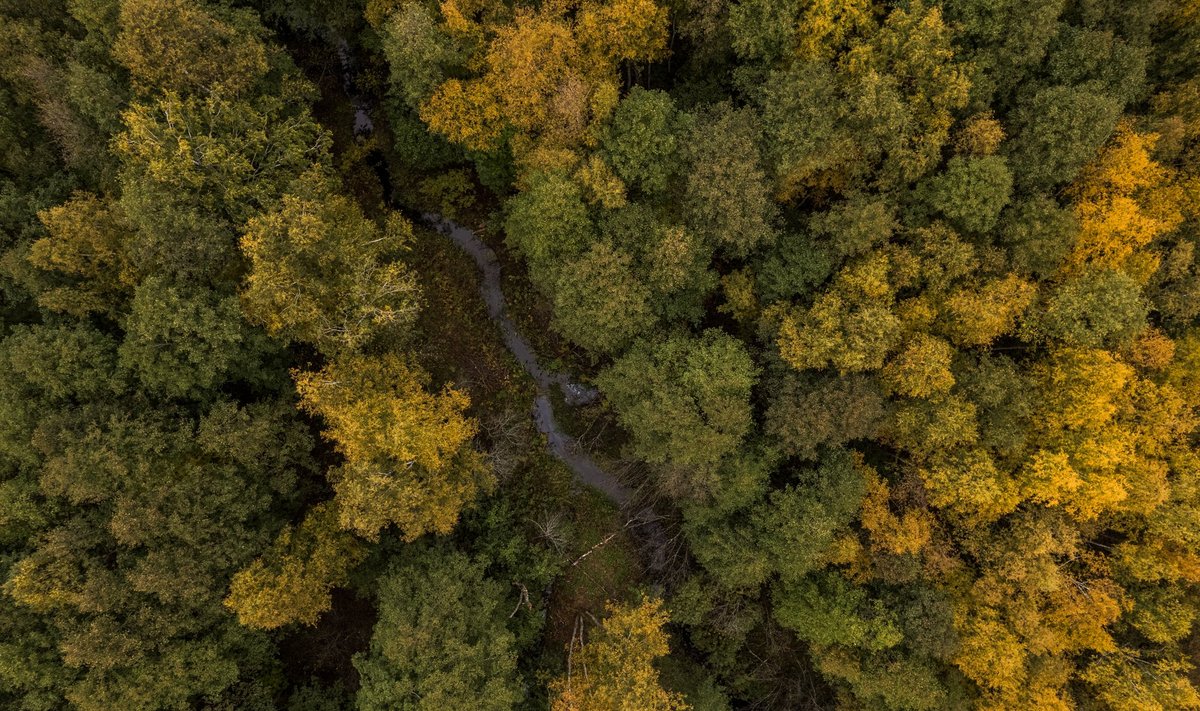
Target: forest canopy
600,355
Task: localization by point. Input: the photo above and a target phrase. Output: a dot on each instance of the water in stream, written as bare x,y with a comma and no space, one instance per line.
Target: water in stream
649,530
561,444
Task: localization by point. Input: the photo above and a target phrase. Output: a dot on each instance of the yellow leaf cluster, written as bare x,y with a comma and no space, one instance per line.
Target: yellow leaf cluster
292,581
906,533
614,670
1123,201
827,25
86,240
549,75
407,456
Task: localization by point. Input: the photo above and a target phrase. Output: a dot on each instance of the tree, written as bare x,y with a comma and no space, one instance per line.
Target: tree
548,224
86,241
1039,234
904,84
850,325
1059,129
545,75
614,671
408,457
921,369
971,192
1122,207
292,581
810,411
184,341
726,200
644,139
418,52
1126,682
599,303
671,262
127,582
1092,57
805,119
322,272
826,609
980,313
180,46
797,525
440,641
1099,307
1005,41
685,401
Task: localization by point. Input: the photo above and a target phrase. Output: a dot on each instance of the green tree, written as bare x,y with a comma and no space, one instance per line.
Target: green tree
797,525
645,139
1099,307
971,192
548,224
809,411
726,200
685,401
185,341
1059,129
440,641
599,302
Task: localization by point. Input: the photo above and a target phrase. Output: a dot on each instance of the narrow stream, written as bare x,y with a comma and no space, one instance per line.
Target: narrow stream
561,444
646,525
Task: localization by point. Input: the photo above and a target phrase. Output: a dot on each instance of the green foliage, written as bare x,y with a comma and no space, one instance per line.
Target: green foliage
599,302
808,412
1087,57
548,224
827,610
1039,234
684,400
1059,129
726,200
971,192
1097,308
797,525
440,641
809,140
644,138
183,341
417,52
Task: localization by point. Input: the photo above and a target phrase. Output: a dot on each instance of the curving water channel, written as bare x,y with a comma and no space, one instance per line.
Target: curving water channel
561,444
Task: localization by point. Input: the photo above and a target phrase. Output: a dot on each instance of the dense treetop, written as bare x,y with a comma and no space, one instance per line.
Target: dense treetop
893,309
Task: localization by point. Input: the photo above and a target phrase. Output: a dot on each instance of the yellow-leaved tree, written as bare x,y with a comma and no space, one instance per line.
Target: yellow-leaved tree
614,670
1124,200
292,581
408,457
322,272
85,243
549,76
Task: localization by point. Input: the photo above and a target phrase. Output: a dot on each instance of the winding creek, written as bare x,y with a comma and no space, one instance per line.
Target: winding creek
562,445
